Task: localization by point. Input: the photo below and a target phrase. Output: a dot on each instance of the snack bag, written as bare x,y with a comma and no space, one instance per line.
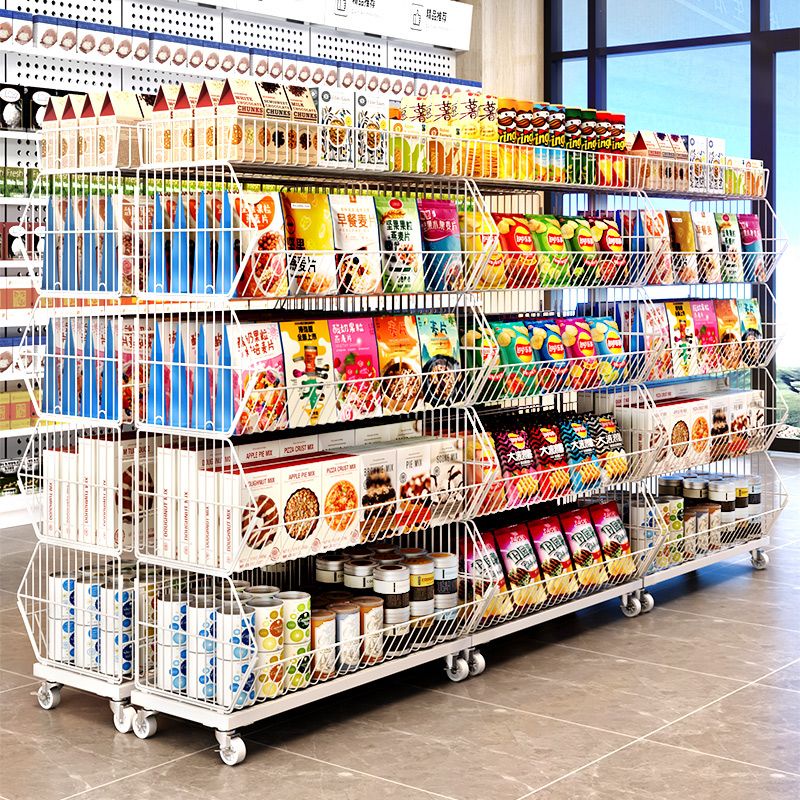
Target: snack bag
752,335
551,459
483,474
482,362
553,554
399,358
401,241
584,547
522,569
577,337
580,242
355,237
552,253
483,566
608,446
612,261
478,235
684,247
608,344
659,257
657,349
517,466
552,371
584,468
730,247
704,315
441,363
613,539
441,245
309,242
730,334
516,355
682,339
355,362
707,243
752,249
517,248
632,230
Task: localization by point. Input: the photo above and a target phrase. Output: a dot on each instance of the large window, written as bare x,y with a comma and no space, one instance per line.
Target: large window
723,68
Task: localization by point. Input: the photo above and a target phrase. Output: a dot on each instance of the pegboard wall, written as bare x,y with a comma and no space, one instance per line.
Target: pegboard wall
184,19
252,31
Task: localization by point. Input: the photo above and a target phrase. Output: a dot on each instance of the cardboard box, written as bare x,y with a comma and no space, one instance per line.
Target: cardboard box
88,143
161,133
414,485
240,122
339,496
302,136
205,120
277,112
118,142
377,490
183,138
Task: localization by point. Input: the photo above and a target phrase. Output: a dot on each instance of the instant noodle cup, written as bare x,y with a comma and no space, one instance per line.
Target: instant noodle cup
552,253
552,369
516,355
517,248
580,348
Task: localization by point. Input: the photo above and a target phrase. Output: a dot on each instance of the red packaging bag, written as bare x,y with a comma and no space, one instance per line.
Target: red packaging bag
553,554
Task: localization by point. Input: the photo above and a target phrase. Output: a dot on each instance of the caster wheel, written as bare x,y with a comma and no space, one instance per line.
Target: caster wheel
144,725
631,607
234,753
458,670
124,718
647,602
476,662
759,559
48,696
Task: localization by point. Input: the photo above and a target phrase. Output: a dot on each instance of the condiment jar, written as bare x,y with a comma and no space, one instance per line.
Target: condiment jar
264,591
412,552
670,484
445,580
420,569
380,560
329,568
358,573
754,505
695,488
724,493
370,610
348,643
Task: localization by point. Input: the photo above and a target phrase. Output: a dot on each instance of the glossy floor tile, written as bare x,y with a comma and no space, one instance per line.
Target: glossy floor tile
698,699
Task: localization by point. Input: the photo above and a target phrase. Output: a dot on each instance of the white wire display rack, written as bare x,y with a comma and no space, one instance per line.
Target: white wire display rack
176,285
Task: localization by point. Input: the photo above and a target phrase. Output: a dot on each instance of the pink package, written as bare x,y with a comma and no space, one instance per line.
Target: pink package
656,341
553,554
576,335
355,362
704,314
659,252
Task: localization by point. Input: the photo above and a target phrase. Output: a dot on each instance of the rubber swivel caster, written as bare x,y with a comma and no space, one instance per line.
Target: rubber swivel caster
759,559
232,749
647,601
123,716
49,696
145,725
476,663
630,606
456,668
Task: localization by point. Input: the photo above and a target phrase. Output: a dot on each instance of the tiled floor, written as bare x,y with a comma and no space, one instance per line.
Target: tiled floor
699,699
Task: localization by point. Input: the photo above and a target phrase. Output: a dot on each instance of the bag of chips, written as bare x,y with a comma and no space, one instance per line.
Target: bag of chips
401,238
584,469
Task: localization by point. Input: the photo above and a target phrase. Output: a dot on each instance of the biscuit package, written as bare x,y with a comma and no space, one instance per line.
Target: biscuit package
441,243
355,364
552,252
517,248
684,247
752,334
399,357
441,363
552,369
707,243
519,561
730,334
752,248
730,246
682,338
584,468
401,243
309,241
613,538
486,573
355,237
584,547
516,354
553,554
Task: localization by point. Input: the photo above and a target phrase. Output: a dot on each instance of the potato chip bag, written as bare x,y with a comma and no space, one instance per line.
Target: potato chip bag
551,458
517,466
553,554
612,261
584,468
580,242
517,358
552,370
607,339
613,538
584,547
517,248
552,253
521,566
608,446
579,345
478,234
482,362
483,566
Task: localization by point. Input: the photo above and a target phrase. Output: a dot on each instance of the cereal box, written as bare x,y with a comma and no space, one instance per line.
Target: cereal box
730,334
608,343
240,121
584,467
401,242
704,316
447,477
752,249
516,355
355,237
584,547
552,252
277,113
441,363
355,364
517,248
752,335
521,567
552,369
579,345
441,243
399,358
339,494
301,138
608,446
613,538
580,242
517,466
414,485
707,244
309,372
720,410
682,338
684,247
309,242
739,410
730,246
553,554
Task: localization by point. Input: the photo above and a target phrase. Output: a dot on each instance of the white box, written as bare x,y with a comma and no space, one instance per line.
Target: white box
414,485
69,469
166,503
339,501
698,162
298,446
337,440
335,116
301,507
377,490
447,477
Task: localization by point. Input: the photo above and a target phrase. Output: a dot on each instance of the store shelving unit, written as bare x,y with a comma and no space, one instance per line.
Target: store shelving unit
245,689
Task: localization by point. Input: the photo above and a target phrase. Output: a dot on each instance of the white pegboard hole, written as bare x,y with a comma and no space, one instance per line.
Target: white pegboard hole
147,81
22,154
103,12
58,73
432,62
175,20
337,46
250,32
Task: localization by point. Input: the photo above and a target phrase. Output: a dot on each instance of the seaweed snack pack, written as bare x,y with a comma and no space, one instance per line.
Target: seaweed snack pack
401,240
730,334
682,338
552,253
730,247
552,371
357,244
517,466
516,354
752,334
399,357
522,569
577,338
516,243
551,458
309,240
440,359
584,468
608,446
441,244
608,345
704,315
684,247
707,243
308,363
753,264
613,539
612,262
584,547
580,242
355,364
553,554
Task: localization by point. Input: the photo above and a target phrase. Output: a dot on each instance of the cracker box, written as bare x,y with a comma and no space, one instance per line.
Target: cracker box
753,349
707,244
730,246
277,113
414,485
240,121
440,359
516,357
308,364
68,131
205,120
160,129
339,496
584,547
87,128
183,133
553,555
683,341
335,117
309,242
371,132
704,316
752,248
51,140
401,244
521,567
356,367
730,334
377,489
399,358
681,168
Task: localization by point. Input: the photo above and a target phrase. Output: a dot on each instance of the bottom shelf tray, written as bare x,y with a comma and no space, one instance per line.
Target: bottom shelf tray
63,676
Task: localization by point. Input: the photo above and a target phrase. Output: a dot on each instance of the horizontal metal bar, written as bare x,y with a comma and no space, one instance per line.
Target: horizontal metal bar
83,681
